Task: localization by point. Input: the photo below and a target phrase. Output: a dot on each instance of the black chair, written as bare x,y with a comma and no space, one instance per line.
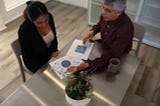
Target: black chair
156,97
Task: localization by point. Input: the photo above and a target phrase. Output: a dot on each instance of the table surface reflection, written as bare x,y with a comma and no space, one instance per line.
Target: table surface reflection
46,89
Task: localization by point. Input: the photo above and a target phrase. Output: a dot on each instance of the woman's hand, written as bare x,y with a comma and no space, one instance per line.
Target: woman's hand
55,54
89,36
74,69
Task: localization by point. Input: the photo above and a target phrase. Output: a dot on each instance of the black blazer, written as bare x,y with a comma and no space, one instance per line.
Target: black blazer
34,50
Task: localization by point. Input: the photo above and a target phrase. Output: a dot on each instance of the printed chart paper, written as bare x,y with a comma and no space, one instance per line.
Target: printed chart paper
74,56
80,50
60,65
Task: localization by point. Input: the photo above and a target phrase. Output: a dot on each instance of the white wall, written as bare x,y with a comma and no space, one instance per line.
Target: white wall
2,25
14,13
8,16
80,3
2,8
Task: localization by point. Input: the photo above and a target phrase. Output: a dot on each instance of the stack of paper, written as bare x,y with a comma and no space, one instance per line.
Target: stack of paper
60,65
78,49
75,54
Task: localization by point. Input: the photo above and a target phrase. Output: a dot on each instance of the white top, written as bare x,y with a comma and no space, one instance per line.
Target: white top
48,38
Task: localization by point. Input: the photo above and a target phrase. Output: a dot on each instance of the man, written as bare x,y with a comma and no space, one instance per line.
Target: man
116,31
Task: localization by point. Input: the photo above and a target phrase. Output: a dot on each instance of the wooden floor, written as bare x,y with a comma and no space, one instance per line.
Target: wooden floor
70,21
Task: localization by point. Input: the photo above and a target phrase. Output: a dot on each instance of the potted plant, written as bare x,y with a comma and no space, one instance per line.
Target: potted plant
78,89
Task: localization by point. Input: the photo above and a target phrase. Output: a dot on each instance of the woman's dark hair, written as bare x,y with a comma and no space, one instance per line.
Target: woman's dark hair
34,9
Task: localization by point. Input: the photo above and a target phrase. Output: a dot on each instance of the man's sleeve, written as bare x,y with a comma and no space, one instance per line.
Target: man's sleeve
117,49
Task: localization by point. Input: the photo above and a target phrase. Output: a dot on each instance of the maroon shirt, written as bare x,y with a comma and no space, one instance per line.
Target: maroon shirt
116,39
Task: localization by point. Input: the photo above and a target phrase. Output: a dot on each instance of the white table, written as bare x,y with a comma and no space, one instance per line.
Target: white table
45,89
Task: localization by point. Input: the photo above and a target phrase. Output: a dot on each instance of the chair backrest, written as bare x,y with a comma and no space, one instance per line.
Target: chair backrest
156,97
139,31
17,50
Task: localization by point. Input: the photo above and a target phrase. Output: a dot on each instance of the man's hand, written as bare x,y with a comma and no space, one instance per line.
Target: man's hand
74,69
89,36
55,54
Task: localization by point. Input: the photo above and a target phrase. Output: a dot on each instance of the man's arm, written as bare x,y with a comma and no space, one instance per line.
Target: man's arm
74,69
116,49
94,30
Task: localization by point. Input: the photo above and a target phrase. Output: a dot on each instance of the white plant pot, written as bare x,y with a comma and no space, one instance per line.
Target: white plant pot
74,102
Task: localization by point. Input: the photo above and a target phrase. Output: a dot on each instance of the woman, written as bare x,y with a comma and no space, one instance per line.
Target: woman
37,36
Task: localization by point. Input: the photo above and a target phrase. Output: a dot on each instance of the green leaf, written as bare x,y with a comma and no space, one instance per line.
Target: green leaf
78,87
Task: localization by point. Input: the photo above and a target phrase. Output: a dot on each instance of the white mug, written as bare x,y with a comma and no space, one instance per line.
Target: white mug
114,65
